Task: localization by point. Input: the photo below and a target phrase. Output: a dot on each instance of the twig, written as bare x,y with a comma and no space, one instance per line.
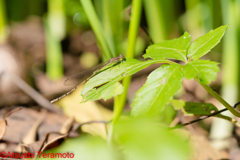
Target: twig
205,117
42,101
105,122
89,122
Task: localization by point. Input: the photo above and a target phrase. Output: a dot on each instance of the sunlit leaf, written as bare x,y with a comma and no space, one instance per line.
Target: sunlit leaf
204,44
85,112
144,139
206,71
170,49
160,86
102,84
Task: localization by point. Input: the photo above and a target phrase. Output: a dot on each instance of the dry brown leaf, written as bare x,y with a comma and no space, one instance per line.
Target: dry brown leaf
51,140
31,135
198,142
85,112
67,125
198,153
19,124
3,122
3,126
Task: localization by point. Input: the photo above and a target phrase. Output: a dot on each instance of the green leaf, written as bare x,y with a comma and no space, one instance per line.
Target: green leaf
206,71
106,92
103,84
167,115
177,104
171,49
144,139
194,108
161,85
204,44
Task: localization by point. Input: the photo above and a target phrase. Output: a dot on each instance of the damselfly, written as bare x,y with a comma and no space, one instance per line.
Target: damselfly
84,76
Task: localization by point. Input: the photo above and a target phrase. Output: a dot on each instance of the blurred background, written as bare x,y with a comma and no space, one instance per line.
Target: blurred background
42,42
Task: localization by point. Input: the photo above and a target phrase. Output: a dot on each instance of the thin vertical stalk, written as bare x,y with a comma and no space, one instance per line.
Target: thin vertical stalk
54,67
220,99
237,2
120,100
194,17
206,10
97,27
108,30
54,32
215,14
230,71
3,23
155,20
56,18
113,24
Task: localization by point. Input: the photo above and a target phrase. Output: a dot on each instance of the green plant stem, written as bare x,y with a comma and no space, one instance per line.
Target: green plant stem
3,23
120,100
133,31
54,65
107,25
220,99
97,27
228,119
54,32
155,20
56,18
220,129
194,19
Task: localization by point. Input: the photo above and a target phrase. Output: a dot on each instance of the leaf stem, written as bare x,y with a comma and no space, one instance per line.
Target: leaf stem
133,31
97,27
229,119
219,98
120,100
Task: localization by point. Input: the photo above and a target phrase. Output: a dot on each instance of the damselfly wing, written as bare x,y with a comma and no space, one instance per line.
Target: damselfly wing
84,76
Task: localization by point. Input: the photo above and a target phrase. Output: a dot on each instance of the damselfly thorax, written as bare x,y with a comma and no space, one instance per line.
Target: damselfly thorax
84,76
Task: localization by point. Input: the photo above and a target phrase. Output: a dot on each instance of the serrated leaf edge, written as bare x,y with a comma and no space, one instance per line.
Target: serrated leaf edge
177,50
192,55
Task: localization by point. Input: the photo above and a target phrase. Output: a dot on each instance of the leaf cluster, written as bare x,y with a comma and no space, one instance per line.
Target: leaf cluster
163,82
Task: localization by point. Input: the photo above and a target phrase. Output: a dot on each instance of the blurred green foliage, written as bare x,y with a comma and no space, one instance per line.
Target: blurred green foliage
2,22
19,10
163,20
136,139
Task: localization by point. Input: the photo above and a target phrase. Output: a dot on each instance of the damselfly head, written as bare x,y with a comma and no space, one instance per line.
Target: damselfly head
121,56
